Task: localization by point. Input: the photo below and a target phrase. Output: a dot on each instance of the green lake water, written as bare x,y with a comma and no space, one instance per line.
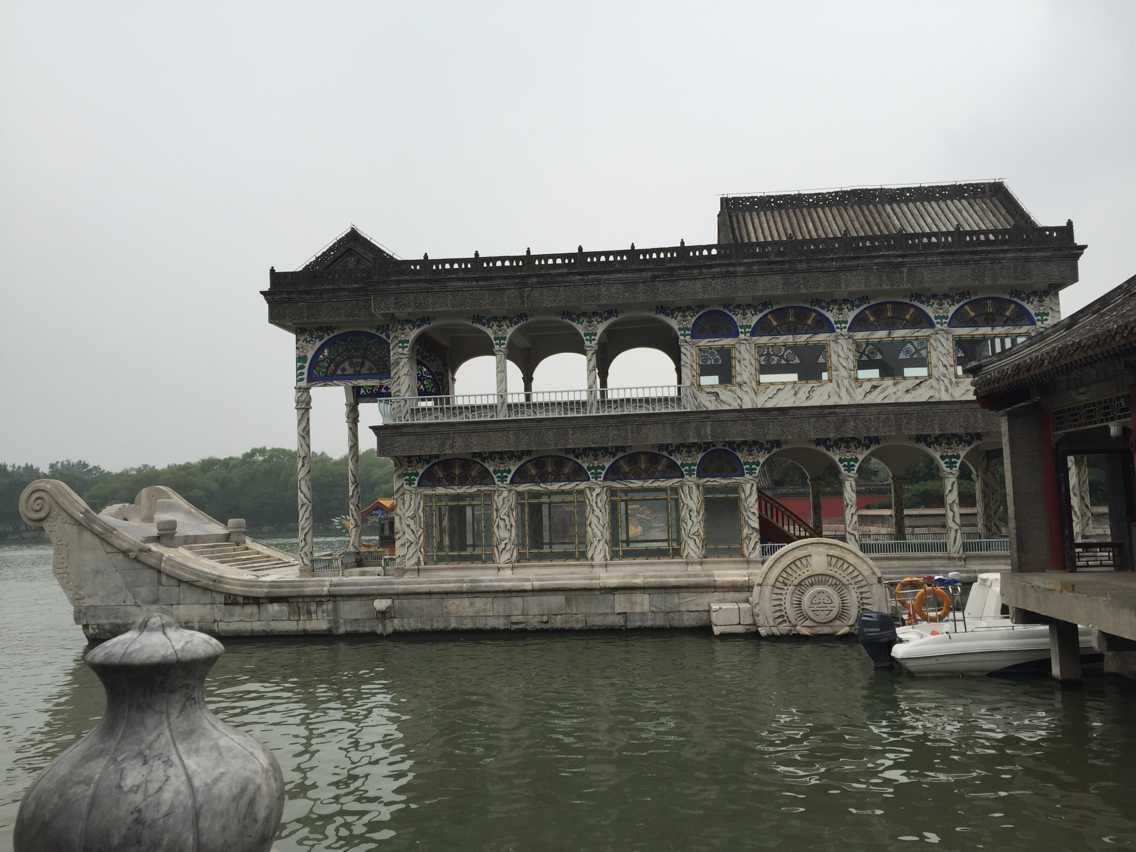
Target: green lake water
648,740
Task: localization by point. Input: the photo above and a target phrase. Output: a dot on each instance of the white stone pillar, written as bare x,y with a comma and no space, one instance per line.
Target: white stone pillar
502,381
409,528
1080,501
597,522
304,477
981,520
842,368
505,529
591,359
851,510
951,512
691,518
403,384
748,498
354,519
688,363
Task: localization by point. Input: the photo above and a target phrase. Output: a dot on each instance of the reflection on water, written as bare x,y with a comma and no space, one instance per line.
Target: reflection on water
639,740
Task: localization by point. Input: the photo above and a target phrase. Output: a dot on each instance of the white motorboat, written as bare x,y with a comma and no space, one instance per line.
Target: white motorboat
981,640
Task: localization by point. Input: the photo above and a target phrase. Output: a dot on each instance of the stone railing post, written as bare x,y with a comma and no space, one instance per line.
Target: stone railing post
304,478
159,771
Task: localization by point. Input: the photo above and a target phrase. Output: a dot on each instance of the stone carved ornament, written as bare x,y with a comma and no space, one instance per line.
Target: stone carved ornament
815,587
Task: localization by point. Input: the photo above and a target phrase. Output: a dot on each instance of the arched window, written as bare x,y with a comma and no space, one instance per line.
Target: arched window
351,355
991,311
549,469
713,324
792,319
451,472
642,465
891,316
718,463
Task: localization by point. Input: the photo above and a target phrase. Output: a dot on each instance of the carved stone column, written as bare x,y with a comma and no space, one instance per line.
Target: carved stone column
591,359
505,529
403,385
941,363
748,496
502,381
1080,502
817,505
688,363
851,510
304,477
597,522
354,520
527,384
842,370
952,513
897,508
691,518
981,519
409,527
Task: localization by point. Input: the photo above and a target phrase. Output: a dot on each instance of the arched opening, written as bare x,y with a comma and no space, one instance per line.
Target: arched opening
893,354
713,324
806,481
551,522
438,352
793,360
899,489
984,466
644,520
549,354
647,351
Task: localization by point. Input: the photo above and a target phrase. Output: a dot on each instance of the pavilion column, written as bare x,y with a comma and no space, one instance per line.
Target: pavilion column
897,508
354,520
505,529
687,363
597,522
952,513
691,520
502,381
409,527
817,505
851,510
304,477
981,519
1080,503
749,496
591,358
403,385
1032,490
527,383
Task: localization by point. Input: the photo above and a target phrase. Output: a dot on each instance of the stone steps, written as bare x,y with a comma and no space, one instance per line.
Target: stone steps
243,557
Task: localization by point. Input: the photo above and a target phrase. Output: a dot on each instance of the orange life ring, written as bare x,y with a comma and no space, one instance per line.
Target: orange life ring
906,585
944,604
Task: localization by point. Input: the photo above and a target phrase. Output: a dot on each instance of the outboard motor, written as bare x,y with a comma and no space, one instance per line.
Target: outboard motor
876,632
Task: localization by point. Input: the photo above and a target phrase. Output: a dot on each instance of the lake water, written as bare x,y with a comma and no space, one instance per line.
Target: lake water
613,741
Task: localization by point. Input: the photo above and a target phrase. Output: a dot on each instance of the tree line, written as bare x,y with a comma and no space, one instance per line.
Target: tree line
259,486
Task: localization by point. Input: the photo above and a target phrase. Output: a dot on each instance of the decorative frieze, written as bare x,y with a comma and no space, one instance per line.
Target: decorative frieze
499,328
949,448
848,451
590,322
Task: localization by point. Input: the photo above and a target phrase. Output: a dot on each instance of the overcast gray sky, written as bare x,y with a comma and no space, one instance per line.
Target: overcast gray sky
157,158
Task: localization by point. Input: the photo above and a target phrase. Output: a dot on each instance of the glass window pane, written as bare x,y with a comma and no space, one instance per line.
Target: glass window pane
969,350
644,524
892,358
457,528
800,362
551,525
715,365
723,526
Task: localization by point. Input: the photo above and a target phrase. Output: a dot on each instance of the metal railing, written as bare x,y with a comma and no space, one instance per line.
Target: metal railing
1096,555
986,545
906,546
521,405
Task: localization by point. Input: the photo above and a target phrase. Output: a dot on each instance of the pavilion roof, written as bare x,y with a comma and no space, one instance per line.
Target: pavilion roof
870,211
1102,330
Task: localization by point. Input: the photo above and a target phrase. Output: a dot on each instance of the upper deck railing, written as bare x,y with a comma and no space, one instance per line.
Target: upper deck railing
566,403
631,258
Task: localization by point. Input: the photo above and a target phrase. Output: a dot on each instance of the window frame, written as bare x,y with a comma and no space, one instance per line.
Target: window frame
618,500
955,338
785,344
862,338
536,496
717,490
432,500
710,344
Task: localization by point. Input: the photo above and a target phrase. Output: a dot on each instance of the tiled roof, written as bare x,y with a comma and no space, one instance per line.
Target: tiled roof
1100,331
870,211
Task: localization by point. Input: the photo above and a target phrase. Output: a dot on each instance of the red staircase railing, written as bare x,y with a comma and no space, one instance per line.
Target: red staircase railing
779,523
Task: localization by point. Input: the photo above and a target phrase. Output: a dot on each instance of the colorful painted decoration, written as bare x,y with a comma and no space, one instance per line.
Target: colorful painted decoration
991,311
643,465
792,319
891,316
350,356
547,469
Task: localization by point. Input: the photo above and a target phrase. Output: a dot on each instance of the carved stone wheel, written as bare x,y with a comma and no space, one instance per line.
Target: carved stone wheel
815,587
